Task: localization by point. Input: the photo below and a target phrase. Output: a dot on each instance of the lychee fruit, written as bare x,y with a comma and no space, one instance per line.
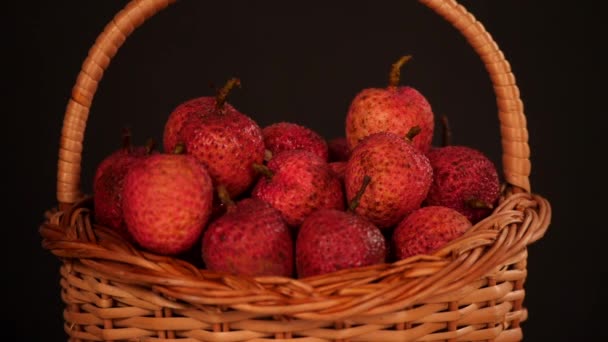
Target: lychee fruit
392,109
401,176
338,168
250,239
330,240
296,183
181,114
465,179
109,180
426,230
282,136
225,140
166,201
338,149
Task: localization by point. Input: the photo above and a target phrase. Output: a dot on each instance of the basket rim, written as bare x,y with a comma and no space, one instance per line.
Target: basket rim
484,250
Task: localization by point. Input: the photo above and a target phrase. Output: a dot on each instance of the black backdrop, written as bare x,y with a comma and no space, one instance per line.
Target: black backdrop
303,62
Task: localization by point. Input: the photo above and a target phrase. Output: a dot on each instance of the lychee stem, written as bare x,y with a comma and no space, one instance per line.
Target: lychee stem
395,75
224,196
354,203
222,95
414,131
150,146
180,148
263,169
447,133
476,203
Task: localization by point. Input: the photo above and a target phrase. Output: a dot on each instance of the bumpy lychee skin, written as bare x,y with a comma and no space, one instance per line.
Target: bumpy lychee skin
282,136
108,184
330,240
250,239
338,149
227,143
463,174
301,183
167,201
426,230
338,168
400,178
395,110
181,114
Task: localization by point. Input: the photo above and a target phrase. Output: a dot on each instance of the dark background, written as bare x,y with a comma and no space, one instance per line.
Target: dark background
303,62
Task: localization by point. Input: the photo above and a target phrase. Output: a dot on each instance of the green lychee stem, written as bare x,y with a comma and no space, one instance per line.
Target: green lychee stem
180,148
354,203
126,138
150,146
414,131
476,203
222,95
264,170
224,196
447,133
395,75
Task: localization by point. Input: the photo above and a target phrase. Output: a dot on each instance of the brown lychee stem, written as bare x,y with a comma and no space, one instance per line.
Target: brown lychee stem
267,155
126,138
264,170
222,95
354,203
447,133
414,131
395,75
476,203
180,148
150,145
224,196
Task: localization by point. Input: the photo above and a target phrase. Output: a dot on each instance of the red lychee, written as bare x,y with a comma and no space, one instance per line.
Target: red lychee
181,114
401,176
283,136
298,182
338,168
250,239
394,109
225,140
167,201
465,180
426,230
108,183
330,240
338,149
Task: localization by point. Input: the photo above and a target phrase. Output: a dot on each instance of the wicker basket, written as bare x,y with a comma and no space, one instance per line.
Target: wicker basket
470,290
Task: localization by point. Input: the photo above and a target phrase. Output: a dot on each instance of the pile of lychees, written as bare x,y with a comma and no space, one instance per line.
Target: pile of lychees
282,200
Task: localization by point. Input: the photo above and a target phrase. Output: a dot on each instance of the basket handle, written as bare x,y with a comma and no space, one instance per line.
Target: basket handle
515,149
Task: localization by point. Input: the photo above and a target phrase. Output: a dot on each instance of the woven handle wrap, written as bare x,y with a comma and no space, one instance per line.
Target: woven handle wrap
515,149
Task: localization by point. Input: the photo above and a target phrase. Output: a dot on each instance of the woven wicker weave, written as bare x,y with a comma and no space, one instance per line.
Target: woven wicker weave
472,289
